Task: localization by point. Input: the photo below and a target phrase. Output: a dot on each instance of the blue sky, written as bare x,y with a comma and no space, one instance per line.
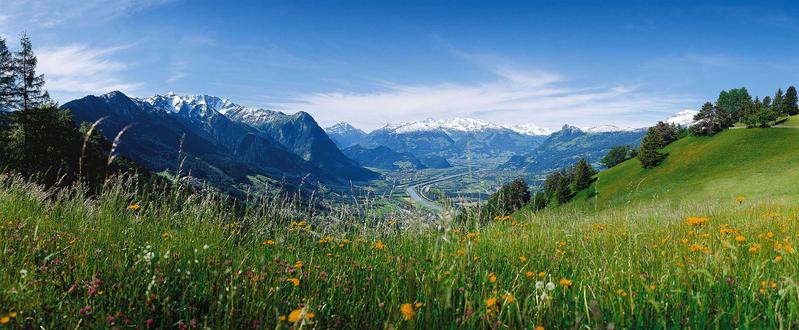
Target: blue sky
376,62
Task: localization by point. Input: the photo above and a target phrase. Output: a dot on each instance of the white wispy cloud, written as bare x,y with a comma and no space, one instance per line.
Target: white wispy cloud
46,14
78,68
513,97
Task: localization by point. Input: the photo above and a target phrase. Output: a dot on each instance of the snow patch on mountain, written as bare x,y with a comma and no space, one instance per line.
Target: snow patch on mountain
683,118
452,125
531,129
607,129
191,105
255,116
341,128
463,125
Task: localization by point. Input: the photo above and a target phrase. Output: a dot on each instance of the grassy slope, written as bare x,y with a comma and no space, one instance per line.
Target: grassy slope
69,262
792,121
759,163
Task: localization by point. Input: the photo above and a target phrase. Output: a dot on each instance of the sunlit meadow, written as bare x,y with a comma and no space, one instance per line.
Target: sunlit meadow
191,262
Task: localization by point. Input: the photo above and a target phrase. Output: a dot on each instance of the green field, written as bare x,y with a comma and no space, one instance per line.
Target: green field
760,164
671,247
792,121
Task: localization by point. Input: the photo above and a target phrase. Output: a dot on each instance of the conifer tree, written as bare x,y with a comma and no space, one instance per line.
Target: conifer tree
650,155
6,77
778,103
712,119
562,192
790,101
28,92
582,174
734,101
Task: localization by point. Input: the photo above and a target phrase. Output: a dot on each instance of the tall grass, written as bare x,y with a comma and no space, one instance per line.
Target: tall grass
132,257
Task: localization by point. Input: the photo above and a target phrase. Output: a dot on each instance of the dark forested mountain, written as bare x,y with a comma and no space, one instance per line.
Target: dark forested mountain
300,134
434,162
192,133
383,158
568,145
345,135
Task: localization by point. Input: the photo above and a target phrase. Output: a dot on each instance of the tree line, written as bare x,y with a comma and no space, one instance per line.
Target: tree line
733,106
559,187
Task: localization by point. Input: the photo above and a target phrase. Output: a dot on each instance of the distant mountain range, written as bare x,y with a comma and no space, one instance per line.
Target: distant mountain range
454,138
345,135
563,148
219,141
233,146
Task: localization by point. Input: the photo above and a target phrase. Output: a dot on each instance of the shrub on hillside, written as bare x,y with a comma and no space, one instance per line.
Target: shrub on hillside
618,155
508,199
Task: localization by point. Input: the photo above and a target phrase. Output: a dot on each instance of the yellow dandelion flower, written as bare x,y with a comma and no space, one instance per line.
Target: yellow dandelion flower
492,277
165,235
418,305
529,274
5,319
379,245
740,238
490,302
565,283
300,314
696,221
269,242
12,314
407,312
539,327
294,281
508,298
777,258
522,258
134,206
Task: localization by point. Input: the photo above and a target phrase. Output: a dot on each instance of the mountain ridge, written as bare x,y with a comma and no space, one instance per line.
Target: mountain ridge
168,130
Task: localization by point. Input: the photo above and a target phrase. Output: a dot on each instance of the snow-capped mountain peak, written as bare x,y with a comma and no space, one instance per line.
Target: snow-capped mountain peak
530,129
341,128
192,105
607,128
464,125
451,125
683,118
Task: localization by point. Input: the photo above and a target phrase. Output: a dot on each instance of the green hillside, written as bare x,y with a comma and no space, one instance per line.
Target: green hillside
753,163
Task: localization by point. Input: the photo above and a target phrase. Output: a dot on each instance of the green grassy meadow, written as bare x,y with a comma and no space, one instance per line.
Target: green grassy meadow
705,240
753,163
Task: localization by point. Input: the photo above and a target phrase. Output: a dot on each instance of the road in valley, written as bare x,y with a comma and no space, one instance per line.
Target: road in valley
413,191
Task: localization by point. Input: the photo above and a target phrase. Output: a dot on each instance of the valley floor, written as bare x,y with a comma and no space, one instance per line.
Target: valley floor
116,261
